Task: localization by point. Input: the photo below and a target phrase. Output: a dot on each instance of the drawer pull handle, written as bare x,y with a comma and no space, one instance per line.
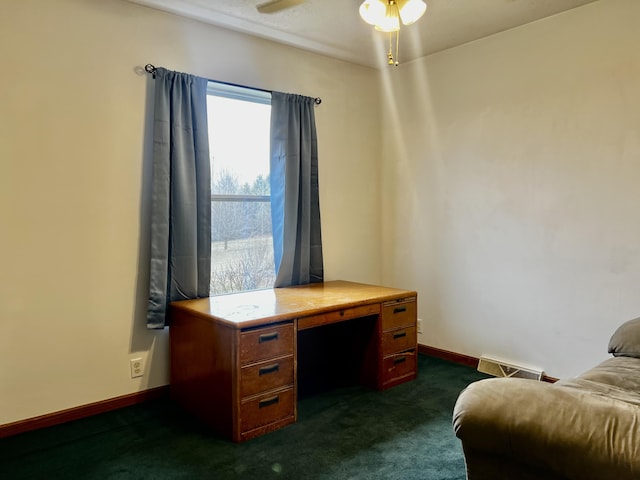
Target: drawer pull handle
269,369
398,360
399,309
267,337
399,335
268,402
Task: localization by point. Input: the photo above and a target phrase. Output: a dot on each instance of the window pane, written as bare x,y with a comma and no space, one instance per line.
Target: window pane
242,247
238,140
242,242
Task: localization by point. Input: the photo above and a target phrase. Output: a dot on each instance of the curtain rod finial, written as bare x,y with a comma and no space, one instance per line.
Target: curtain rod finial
150,69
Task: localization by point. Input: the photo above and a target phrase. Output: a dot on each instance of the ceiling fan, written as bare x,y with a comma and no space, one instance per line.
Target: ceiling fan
276,5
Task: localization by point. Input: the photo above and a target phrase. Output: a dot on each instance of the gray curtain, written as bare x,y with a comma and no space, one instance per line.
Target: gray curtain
181,194
295,206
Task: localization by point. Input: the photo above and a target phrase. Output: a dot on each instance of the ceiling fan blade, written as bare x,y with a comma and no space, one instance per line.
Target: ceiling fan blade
277,5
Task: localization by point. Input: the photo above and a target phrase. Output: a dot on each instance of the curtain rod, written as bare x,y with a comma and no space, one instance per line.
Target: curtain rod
152,70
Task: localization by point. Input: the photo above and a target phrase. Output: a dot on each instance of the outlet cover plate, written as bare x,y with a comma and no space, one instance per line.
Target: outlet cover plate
137,367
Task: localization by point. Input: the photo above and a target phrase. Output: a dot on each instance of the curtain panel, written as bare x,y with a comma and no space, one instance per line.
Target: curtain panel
295,206
180,265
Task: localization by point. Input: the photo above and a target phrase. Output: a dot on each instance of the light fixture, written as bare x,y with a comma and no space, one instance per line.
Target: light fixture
386,16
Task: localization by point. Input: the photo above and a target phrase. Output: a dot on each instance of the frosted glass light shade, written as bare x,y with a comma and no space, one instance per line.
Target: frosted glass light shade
372,11
390,22
411,10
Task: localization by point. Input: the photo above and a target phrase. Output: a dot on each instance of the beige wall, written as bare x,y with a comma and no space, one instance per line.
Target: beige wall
511,198
72,122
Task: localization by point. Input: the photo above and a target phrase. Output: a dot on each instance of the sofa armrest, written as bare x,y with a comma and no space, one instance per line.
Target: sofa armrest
570,432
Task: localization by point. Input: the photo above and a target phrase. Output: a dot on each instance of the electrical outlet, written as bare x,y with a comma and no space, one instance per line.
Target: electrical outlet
419,325
137,367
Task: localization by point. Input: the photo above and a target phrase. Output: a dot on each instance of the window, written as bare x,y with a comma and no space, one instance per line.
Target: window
241,236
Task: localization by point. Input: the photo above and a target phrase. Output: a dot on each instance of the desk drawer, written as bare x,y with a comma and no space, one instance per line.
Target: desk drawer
266,343
338,316
265,409
399,340
401,314
398,366
266,376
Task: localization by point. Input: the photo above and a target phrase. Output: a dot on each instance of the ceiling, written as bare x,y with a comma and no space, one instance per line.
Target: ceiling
334,28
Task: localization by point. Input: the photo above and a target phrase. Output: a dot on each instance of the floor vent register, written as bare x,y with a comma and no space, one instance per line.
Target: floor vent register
498,368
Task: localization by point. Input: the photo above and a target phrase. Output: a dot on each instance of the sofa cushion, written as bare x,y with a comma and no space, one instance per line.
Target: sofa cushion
625,341
562,432
615,378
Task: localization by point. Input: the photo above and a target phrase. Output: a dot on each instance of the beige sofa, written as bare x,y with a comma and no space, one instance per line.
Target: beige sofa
581,428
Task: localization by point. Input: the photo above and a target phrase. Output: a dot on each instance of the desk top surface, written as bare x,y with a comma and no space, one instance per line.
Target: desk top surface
247,309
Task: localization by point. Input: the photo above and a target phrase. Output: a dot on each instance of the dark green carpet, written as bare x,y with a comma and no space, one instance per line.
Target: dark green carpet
350,433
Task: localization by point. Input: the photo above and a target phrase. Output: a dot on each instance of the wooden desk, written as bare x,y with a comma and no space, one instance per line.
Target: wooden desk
234,358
